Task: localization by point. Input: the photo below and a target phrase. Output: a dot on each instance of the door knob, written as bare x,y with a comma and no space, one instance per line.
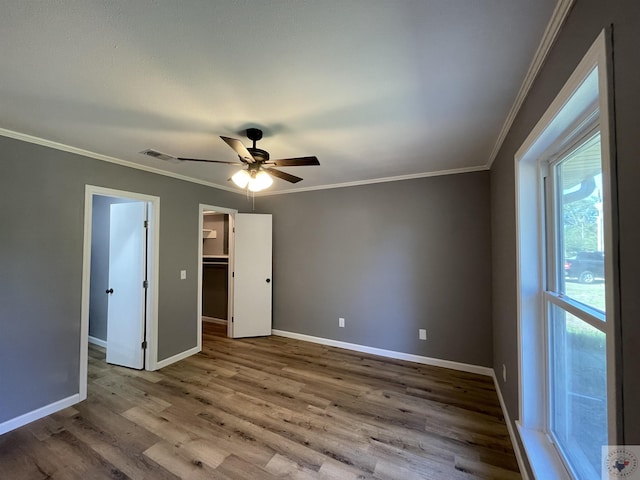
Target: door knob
268,280
110,290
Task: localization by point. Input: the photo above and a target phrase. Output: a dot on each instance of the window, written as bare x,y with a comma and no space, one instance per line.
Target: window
565,291
575,306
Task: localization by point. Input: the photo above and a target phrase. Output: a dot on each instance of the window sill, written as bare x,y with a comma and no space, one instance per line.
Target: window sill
543,458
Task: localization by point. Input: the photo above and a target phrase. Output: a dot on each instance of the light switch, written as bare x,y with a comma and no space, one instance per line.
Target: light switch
183,274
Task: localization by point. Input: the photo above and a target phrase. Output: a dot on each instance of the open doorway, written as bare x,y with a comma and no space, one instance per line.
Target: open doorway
247,265
216,256
120,284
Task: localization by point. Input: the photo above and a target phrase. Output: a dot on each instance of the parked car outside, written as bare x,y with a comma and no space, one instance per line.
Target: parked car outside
585,266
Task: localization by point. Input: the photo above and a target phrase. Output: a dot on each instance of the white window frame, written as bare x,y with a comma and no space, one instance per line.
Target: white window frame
569,117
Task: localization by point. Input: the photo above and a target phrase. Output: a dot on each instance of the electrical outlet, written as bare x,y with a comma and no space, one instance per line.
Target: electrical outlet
504,373
341,322
183,274
422,334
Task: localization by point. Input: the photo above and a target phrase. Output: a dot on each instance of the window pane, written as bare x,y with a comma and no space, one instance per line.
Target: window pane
581,242
578,391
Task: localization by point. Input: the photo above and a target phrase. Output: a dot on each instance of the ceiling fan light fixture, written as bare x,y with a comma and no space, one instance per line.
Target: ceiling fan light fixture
241,178
261,181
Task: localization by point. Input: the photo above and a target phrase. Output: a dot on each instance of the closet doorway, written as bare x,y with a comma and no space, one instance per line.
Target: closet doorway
216,260
236,247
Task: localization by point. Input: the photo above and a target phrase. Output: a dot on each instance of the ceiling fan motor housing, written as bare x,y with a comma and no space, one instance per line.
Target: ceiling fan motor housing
258,154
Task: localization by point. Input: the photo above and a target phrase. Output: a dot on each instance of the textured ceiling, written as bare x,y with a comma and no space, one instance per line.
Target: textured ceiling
374,88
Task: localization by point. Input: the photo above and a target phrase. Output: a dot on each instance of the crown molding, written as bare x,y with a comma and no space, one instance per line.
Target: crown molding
558,17
377,180
106,158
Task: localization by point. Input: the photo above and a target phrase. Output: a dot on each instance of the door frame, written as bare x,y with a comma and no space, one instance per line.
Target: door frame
231,212
153,261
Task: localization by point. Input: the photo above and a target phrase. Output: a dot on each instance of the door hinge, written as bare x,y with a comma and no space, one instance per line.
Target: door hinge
145,284
146,224
233,274
144,345
231,319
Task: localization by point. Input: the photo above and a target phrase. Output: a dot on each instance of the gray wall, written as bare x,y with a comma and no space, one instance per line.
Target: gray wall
98,300
390,258
583,25
41,235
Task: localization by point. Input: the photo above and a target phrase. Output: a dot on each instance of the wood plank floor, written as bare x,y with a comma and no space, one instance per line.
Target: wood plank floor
268,408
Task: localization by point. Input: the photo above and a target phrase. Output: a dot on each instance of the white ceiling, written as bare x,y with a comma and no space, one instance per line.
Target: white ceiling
374,88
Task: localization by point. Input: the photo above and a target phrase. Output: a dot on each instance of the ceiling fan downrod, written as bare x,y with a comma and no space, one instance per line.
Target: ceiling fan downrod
260,155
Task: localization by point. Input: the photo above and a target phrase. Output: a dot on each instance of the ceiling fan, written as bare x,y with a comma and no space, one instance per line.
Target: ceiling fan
257,174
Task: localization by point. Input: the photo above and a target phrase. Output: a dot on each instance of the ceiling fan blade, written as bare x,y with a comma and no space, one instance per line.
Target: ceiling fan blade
159,155
240,149
208,161
295,162
284,176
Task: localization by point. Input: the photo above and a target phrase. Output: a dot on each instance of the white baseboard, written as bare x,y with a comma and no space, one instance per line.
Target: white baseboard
512,433
176,358
214,320
98,341
435,362
37,414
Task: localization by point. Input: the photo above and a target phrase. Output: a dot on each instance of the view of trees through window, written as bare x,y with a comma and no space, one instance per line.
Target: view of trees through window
581,225
582,218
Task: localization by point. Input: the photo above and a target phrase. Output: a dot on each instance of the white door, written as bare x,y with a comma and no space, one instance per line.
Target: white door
127,252
252,276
